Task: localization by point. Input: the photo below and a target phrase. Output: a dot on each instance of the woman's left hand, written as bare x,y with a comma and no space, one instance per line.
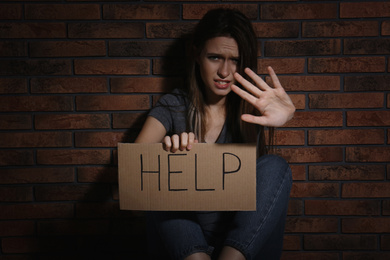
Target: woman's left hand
274,105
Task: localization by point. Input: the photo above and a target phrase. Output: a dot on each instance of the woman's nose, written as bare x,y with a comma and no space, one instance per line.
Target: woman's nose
223,71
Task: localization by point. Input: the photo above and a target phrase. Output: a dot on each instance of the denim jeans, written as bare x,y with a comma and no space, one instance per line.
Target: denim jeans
256,234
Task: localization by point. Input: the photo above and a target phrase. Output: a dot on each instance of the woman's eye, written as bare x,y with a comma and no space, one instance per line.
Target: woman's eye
213,57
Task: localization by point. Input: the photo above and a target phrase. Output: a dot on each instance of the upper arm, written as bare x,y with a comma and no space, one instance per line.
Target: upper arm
153,131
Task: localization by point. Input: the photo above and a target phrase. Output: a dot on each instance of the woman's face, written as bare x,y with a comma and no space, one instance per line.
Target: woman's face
218,62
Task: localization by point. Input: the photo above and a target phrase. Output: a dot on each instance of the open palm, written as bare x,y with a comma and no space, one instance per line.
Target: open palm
274,105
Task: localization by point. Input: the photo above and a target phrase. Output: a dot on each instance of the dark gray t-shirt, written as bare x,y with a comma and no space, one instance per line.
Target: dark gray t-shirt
171,111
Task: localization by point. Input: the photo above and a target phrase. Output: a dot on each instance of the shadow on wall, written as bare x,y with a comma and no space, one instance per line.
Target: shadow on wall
104,231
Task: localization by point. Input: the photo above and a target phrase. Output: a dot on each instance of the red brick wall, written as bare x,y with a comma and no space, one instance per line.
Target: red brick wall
76,78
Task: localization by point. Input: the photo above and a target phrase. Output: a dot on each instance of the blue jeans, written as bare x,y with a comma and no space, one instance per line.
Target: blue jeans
256,234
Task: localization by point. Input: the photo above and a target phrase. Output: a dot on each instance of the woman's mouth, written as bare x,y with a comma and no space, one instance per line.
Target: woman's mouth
222,84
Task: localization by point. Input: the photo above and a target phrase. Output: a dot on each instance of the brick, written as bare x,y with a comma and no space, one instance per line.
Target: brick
365,255
72,121
62,11
346,100
316,119
73,227
36,139
34,245
109,30
308,83
346,172
67,49
291,242
367,154
168,30
281,65
36,211
366,190
11,11
15,122
144,84
364,10
385,28
73,156
141,12
197,11
342,207
298,11
367,46
340,29
346,65
311,154
339,242
32,30
36,103
13,85
309,255
128,120
366,225
145,48
311,225
36,175
368,118
97,174
112,102
385,242
111,67
299,100
35,67
16,194
317,190
99,139
68,85
346,136
276,30
295,207
17,228
367,83
171,67
16,157
290,137
298,172
13,49
302,48
79,192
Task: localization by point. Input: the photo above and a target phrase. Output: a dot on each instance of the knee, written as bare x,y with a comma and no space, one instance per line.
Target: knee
275,166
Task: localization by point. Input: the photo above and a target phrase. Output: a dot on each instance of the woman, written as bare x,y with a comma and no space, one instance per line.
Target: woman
225,102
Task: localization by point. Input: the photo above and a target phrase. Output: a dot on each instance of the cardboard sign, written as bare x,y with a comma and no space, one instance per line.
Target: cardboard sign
210,177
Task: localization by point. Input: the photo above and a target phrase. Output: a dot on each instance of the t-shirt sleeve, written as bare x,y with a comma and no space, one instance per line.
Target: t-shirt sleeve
170,111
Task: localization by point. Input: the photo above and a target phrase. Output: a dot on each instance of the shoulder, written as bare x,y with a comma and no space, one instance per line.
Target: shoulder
177,97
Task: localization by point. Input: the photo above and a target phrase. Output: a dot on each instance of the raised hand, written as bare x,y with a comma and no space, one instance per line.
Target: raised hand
274,105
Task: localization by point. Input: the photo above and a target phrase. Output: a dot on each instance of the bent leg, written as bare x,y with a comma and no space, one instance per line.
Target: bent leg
176,235
252,231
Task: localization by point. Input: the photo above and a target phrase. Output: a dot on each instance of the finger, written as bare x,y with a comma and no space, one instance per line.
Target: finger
247,85
259,120
183,141
274,77
175,143
191,141
167,144
256,78
243,94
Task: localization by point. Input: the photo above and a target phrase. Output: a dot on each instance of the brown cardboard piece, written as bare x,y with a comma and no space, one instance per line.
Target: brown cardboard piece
210,177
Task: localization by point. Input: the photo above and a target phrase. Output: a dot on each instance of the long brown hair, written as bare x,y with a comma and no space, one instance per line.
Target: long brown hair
234,24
